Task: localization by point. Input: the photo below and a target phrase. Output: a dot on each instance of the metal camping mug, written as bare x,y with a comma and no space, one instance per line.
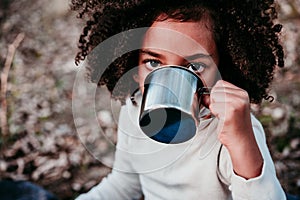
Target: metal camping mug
170,104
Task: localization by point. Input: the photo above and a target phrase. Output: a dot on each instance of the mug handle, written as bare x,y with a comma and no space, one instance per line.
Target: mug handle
205,100
204,90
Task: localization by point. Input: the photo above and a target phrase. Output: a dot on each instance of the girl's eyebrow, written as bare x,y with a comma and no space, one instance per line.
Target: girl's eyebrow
191,57
198,55
151,53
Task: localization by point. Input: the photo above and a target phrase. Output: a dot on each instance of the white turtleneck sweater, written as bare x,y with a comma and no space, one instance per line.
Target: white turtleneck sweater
200,168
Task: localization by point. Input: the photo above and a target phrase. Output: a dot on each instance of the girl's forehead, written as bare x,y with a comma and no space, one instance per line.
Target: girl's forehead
182,38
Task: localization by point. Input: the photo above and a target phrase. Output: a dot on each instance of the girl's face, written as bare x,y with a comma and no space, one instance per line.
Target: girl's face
187,44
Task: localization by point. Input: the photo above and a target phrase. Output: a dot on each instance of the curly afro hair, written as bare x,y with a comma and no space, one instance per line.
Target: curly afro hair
245,32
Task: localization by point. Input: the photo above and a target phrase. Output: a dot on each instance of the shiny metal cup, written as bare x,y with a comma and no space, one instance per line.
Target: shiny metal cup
170,104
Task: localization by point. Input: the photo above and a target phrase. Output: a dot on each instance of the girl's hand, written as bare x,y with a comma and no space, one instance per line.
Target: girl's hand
231,105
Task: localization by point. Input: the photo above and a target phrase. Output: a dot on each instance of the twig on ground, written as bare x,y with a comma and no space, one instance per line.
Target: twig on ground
4,77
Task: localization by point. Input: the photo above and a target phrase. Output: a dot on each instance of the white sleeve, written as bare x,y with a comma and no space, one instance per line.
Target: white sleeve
117,186
264,187
120,184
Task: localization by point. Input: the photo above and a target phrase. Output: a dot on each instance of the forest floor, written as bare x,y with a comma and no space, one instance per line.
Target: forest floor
43,144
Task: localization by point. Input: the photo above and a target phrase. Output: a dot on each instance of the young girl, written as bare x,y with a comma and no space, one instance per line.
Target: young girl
228,157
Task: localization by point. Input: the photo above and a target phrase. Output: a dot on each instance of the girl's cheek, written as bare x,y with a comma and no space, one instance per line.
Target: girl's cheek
140,79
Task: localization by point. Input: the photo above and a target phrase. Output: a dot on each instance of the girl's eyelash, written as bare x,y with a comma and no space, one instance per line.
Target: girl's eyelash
151,60
197,66
151,63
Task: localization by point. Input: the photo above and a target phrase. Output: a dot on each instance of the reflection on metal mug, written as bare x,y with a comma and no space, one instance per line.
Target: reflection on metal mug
170,104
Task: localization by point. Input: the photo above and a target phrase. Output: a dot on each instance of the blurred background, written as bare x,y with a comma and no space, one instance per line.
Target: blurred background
39,142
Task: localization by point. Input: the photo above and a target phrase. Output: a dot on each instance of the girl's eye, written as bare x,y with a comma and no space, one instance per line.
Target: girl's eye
151,64
197,67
